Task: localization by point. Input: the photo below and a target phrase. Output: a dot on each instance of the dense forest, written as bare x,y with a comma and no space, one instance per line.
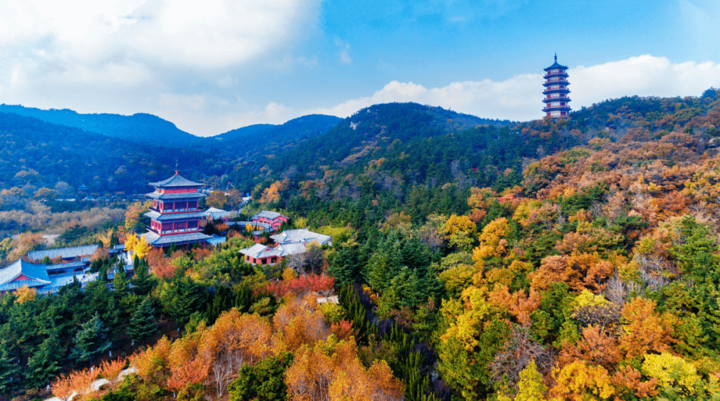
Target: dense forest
567,260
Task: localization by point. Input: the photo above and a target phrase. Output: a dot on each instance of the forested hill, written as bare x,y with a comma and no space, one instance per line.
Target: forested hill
141,128
36,154
297,128
372,133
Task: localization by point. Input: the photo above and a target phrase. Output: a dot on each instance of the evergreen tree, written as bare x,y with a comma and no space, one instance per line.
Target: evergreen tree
9,372
121,281
142,323
184,298
91,340
263,381
143,282
222,301
244,298
45,362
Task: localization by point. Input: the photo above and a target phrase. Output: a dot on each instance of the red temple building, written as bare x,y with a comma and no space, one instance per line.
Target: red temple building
175,213
556,91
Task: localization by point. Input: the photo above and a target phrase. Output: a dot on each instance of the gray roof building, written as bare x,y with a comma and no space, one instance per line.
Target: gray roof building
301,236
259,251
268,215
178,239
65,253
216,214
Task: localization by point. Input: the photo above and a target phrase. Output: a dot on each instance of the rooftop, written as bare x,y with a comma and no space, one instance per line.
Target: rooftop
174,216
65,253
302,236
157,240
268,215
176,181
184,195
264,251
22,273
216,213
556,66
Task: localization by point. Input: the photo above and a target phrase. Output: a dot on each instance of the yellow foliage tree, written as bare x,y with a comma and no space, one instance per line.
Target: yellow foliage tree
130,241
25,294
492,243
673,371
579,382
142,248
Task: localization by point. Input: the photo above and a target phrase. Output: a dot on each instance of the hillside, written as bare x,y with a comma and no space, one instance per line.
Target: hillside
141,128
577,259
371,133
39,154
293,130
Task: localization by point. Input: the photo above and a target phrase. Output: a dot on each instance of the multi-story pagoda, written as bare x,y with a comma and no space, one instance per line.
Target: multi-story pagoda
556,91
175,213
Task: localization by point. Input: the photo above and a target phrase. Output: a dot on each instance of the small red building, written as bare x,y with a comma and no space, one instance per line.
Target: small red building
273,218
556,91
175,214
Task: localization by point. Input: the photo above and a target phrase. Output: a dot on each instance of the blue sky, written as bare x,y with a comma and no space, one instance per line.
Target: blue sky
216,65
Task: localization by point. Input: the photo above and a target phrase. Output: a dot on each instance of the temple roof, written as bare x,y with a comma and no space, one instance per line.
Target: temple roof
176,181
183,195
65,253
35,276
174,216
301,236
264,251
161,240
268,215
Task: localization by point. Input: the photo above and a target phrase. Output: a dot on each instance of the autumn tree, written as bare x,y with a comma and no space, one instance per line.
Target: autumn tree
217,199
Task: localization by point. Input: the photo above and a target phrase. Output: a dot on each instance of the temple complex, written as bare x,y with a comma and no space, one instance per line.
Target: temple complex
175,214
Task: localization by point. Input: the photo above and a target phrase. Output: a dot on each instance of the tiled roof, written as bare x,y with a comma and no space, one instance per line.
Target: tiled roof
264,251
174,216
302,236
187,195
556,65
268,215
216,213
36,274
68,265
65,253
176,181
157,240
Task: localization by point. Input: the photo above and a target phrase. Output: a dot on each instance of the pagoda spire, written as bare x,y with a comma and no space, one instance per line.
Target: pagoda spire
177,171
556,91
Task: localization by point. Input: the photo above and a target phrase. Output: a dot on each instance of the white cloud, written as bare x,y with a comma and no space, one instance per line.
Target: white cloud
344,53
520,97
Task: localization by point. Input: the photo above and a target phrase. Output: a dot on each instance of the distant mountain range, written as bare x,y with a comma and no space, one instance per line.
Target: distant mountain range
100,150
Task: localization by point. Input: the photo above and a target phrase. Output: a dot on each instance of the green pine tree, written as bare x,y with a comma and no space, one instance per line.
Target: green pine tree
9,372
121,281
142,323
45,362
91,340
143,282
262,381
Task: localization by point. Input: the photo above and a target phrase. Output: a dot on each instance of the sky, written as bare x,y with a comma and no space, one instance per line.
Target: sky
215,65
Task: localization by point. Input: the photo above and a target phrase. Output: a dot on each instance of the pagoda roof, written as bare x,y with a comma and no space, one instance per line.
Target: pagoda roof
556,65
183,195
174,216
176,181
162,240
22,273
